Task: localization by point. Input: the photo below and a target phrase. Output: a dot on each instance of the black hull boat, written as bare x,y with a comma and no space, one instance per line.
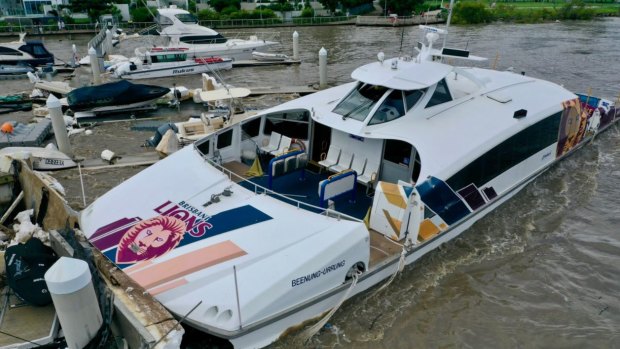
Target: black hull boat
114,96
21,52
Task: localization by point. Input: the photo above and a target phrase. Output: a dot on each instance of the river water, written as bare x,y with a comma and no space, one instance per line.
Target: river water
543,270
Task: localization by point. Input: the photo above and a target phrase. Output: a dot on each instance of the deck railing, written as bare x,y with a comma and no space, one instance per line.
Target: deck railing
258,190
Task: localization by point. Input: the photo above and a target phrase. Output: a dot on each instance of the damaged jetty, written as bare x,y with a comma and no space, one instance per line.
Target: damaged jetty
56,290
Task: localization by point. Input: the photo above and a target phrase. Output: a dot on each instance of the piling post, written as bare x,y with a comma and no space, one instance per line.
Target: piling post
74,61
322,68
295,45
94,65
58,124
108,43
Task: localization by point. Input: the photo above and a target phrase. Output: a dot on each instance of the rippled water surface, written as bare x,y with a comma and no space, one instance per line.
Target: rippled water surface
543,270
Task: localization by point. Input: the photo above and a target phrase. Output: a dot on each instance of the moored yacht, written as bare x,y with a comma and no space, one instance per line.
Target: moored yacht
30,52
247,256
183,31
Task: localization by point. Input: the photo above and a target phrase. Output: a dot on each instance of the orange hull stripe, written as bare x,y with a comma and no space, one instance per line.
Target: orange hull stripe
160,273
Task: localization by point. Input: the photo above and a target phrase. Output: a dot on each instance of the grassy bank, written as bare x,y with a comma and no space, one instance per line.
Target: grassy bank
486,11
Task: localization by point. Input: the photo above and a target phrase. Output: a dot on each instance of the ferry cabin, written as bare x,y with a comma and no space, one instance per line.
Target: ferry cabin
480,132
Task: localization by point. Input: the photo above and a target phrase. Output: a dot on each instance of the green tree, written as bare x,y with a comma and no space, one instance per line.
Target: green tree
219,5
471,13
94,8
329,4
401,7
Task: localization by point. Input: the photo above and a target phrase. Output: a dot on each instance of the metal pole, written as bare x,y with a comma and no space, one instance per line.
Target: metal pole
322,68
237,293
58,124
295,45
82,183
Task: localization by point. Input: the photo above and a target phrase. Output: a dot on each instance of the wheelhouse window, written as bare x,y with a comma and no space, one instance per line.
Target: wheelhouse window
251,128
359,102
186,18
5,51
393,107
168,58
163,20
412,97
292,123
224,139
441,95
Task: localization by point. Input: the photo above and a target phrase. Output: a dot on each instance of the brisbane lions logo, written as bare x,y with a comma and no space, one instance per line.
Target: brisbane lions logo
150,239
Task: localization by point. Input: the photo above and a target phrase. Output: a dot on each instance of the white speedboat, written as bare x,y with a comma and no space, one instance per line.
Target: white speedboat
183,31
249,259
160,64
26,52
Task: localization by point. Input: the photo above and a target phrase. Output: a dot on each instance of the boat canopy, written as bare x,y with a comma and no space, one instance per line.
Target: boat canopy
411,77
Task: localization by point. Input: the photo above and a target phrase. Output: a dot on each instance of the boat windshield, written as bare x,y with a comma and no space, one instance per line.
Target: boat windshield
187,18
395,104
359,102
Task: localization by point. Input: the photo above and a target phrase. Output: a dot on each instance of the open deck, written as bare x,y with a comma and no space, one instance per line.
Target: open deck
304,194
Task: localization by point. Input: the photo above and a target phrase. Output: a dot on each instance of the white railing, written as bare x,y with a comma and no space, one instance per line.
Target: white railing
258,190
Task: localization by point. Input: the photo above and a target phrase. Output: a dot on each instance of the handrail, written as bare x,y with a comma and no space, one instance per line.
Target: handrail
258,189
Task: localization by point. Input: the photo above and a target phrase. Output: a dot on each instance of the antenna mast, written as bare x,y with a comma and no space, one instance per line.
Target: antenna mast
445,37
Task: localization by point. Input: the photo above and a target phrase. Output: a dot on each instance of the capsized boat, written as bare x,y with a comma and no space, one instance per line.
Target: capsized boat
147,65
246,256
183,31
43,159
113,96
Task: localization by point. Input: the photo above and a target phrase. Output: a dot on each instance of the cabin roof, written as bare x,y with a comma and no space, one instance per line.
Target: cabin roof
408,75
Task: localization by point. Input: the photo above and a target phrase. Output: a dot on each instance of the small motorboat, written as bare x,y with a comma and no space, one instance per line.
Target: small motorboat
158,64
269,57
114,97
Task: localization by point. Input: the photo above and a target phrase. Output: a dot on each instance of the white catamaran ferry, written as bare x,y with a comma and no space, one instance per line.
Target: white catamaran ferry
420,148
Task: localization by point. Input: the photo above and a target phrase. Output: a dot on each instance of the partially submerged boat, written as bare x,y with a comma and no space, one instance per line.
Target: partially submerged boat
269,56
248,257
42,159
184,32
114,97
147,64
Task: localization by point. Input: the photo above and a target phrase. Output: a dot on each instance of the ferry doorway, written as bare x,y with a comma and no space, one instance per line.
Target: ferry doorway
321,138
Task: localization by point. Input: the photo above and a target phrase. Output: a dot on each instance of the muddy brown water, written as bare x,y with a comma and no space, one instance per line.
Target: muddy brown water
542,271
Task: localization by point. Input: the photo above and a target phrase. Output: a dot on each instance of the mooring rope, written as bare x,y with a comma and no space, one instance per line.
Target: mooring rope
401,267
310,332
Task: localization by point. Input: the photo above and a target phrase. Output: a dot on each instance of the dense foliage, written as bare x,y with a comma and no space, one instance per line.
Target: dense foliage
470,12
220,5
402,7
94,8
